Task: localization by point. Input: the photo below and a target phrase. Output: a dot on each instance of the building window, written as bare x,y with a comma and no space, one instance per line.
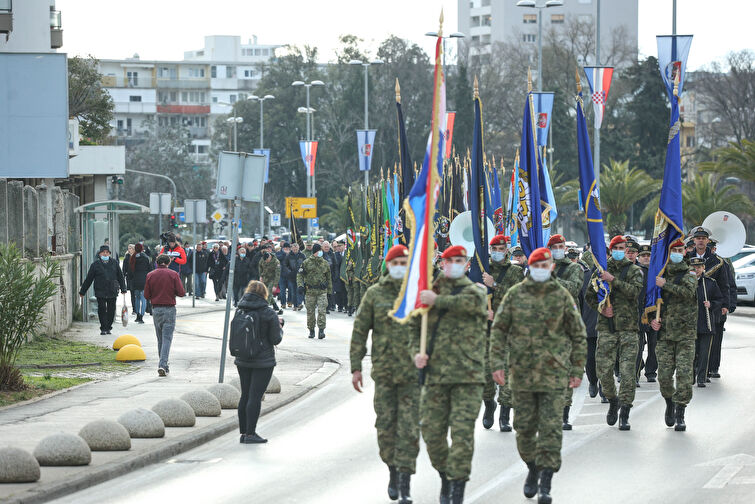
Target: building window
475,39
166,73
201,149
214,99
258,52
246,73
162,97
485,39
133,78
213,71
487,20
203,122
134,98
162,121
529,19
196,72
528,37
485,3
184,96
230,72
557,19
174,96
174,121
690,141
128,126
233,98
119,123
243,96
475,21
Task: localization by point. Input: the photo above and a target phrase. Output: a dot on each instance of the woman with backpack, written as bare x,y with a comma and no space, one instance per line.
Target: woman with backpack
257,328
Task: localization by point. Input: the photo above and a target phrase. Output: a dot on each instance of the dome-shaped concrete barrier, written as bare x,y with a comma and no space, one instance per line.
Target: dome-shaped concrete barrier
203,403
131,353
235,383
142,423
18,466
274,387
228,395
63,449
106,435
175,413
125,339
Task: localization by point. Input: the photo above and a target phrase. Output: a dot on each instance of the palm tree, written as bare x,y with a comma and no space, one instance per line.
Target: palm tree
620,188
703,196
734,160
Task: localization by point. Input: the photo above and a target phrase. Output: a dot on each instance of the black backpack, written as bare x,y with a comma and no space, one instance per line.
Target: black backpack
245,342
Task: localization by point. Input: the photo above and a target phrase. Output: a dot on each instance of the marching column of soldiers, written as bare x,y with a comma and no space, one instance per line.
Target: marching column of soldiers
483,340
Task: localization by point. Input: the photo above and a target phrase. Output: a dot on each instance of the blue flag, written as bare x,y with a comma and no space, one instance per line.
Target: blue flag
365,141
548,198
478,198
529,208
669,221
266,153
590,195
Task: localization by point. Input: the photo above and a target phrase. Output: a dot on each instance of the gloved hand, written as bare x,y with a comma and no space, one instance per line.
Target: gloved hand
301,290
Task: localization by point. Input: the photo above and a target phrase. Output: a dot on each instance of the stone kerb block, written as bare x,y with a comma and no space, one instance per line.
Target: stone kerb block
15,207
31,223
18,466
63,449
106,435
228,395
274,387
142,423
235,383
203,403
175,413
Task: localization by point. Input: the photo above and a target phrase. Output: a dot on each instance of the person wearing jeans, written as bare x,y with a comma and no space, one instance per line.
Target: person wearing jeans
138,267
162,287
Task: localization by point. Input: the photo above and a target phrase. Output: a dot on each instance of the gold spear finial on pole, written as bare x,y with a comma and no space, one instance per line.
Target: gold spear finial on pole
579,82
529,80
440,28
398,92
476,88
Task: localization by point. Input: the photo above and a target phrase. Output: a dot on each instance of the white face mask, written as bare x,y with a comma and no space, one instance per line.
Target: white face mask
497,256
540,274
558,254
397,271
454,270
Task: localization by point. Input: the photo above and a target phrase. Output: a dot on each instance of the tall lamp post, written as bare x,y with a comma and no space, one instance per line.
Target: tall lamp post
453,35
310,183
262,145
366,65
235,121
531,4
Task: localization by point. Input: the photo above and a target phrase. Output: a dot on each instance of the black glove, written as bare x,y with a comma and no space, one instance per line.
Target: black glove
301,290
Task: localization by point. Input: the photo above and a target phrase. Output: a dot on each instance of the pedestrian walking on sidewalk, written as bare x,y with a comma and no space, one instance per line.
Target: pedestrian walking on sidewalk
162,287
108,279
255,371
139,266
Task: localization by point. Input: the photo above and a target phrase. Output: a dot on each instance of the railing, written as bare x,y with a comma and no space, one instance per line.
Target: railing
55,20
143,81
196,83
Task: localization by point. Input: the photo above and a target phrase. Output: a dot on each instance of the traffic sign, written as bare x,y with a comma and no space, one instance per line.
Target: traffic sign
303,208
275,220
217,215
180,214
315,223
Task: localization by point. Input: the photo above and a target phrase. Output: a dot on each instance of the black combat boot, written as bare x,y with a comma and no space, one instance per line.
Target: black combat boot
668,415
503,419
593,389
392,483
530,483
680,425
445,492
613,411
544,490
404,480
487,417
566,425
624,417
456,491
311,333
321,334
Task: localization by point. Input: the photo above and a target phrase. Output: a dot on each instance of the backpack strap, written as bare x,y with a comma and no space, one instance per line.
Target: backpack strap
505,270
561,269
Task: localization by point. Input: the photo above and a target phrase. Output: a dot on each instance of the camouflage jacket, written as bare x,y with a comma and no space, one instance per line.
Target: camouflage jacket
512,275
458,352
391,354
679,307
270,271
539,328
570,276
314,274
624,295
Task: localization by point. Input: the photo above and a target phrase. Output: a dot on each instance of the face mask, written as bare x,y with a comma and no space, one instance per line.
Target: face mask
242,255
617,255
105,258
676,257
540,274
319,254
397,271
558,254
497,256
454,270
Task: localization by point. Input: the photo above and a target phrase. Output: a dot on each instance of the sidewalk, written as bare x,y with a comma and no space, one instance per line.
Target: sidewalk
194,364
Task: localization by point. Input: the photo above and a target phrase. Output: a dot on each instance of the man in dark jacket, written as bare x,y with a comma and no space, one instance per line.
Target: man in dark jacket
294,260
187,269
161,288
200,274
175,251
283,280
108,278
590,319
241,274
709,304
339,287
216,266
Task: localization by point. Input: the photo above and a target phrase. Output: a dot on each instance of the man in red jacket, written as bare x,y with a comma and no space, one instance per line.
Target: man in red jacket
161,288
175,252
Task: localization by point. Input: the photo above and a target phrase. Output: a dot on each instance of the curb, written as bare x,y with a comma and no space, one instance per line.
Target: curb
168,449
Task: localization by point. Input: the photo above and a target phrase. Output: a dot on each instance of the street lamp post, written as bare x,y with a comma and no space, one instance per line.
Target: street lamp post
366,65
262,145
310,183
533,5
235,121
453,35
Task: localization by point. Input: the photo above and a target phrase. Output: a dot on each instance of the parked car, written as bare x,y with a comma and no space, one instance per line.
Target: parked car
746,250
744,270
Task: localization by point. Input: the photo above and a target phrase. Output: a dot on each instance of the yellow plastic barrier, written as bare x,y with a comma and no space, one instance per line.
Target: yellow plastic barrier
131,353
125,339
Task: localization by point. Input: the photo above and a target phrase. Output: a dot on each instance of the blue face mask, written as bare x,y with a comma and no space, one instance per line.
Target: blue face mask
676,257
617,255
242,255
319,254
105,258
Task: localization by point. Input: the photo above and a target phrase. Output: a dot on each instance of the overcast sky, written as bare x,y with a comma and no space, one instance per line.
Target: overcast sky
164,29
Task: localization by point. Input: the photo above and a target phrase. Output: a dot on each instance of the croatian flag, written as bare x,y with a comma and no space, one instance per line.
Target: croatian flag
308,155
599,79
420,207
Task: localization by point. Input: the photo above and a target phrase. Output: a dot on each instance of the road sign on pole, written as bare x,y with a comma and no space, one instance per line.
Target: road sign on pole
303,208
195,211
275,220
315,223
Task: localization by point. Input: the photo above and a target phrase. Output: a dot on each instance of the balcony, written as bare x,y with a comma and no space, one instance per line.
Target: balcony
198,83
135,108
197,132
183,109
56,30
6,17
111,81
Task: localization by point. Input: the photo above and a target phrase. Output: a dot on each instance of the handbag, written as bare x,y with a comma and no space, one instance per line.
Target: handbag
124,312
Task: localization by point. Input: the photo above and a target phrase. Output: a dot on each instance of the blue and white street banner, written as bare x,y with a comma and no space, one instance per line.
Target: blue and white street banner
365,143
543,108
266,153
672,58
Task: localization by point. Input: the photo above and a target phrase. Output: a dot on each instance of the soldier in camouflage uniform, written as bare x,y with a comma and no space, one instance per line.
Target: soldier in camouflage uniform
454,367
503,275
677,330
314,282
539,330
396,389
270,272
617,330
351,288
570,276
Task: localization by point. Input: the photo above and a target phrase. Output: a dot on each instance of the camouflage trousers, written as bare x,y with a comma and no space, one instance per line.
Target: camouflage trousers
625,345
351,290
568,396
676,356
270,296
315,300
453,407
538,427
397,424
488,390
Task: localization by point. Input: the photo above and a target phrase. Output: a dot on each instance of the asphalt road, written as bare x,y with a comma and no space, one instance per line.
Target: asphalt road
323,447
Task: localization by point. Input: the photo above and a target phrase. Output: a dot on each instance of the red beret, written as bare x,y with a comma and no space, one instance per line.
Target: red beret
678,243
396,251
556,238
499,239
455,251
616,240
539,254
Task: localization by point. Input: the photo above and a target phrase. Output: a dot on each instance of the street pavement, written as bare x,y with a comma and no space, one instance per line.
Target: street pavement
323,447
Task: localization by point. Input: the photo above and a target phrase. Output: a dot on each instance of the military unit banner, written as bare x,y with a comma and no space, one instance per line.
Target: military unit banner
365,141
